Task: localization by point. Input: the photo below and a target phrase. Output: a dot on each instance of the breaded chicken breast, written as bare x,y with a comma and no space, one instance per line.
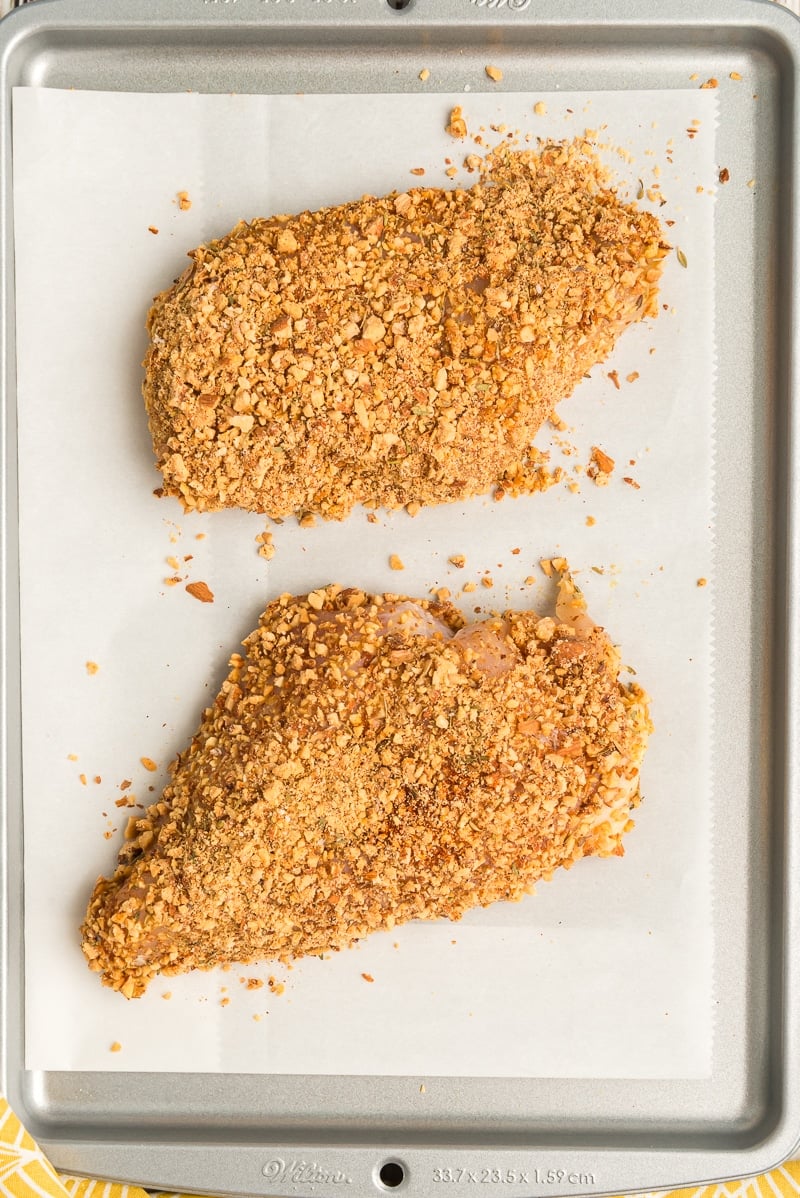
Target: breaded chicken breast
368,761
394,351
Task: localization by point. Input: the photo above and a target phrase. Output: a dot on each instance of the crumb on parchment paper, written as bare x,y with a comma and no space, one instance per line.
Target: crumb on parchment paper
395,562
149,764
600,467
92,667
540,108
115,1046
702,582
184,203
201,591
368,977
456,125
458,560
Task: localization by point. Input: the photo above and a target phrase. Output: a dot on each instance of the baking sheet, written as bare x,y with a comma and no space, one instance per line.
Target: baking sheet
607,971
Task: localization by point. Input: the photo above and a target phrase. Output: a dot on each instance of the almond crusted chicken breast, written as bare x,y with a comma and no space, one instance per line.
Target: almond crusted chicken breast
394,351
368,761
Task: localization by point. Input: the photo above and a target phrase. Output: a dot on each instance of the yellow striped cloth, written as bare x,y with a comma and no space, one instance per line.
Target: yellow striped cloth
26,1173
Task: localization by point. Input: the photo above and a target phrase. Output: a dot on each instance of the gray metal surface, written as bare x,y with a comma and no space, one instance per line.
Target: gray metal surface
223,1133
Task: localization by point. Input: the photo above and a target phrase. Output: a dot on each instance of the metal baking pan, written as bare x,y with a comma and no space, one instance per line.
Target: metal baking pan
294,1135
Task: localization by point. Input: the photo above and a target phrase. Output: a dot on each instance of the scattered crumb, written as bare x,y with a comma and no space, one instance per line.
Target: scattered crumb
72,756
631,482
396,563
266,545
372,518
456,126
735,76
632,377
422,1088
712,82
149,764
442,593
201,591
590,521
702,582
487,581
724,175
469,587
614,376
115,1047
751,182
600,467
424,75
92,667
199,536
167,994
417,170
494,73
223,1002
458,560
254,983
257,1018
184,203
693,77
82,779
173,563
540,108
368,977
530,580
413,508
125,784
173,581
152,229
307,520
97,779
451,172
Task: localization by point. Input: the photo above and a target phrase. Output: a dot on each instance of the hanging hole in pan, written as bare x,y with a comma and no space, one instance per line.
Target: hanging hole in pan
399,5
391,1174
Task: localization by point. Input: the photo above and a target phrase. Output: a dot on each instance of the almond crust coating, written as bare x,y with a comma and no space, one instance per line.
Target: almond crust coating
370,761
396,350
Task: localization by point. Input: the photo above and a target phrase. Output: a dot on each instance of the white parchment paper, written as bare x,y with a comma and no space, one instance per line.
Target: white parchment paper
606,972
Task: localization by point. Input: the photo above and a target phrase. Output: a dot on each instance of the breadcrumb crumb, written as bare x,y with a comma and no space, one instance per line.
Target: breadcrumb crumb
201,591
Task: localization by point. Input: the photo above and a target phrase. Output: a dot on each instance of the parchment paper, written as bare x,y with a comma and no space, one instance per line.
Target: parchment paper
606,972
